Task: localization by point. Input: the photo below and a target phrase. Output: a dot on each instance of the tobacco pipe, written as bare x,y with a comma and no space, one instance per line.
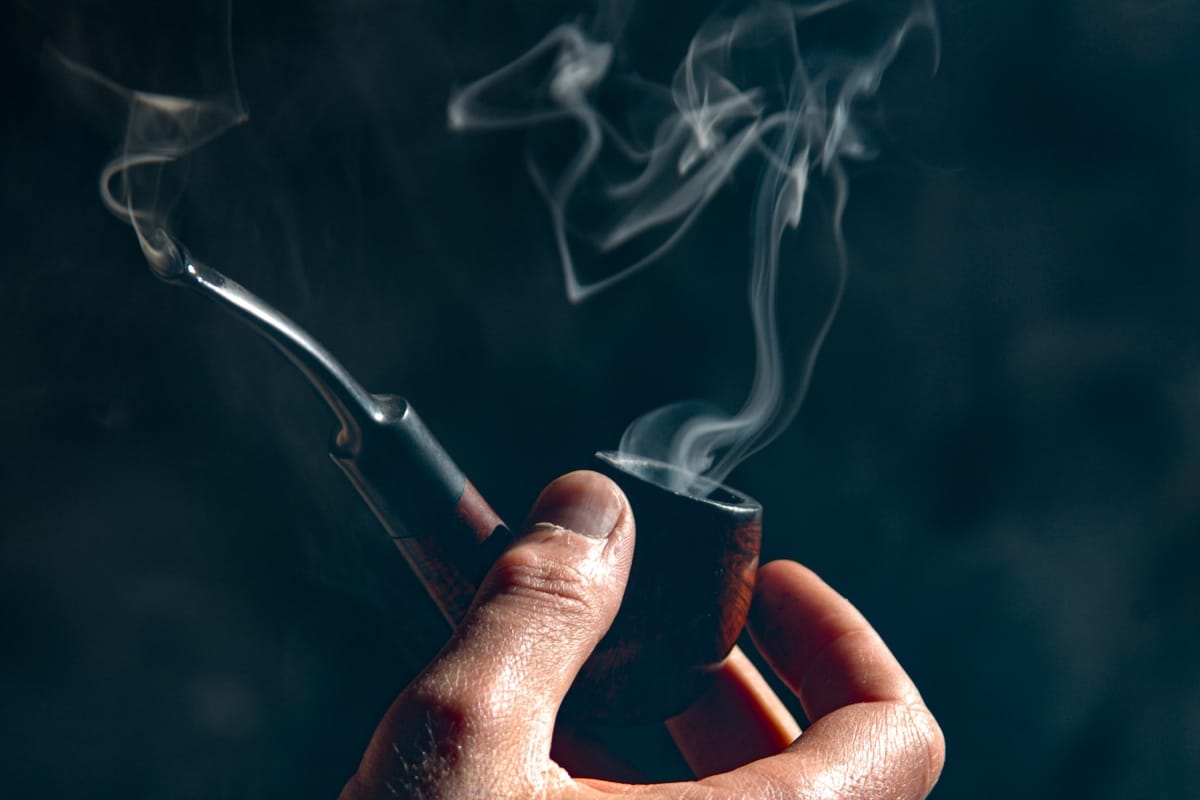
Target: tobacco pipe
694,564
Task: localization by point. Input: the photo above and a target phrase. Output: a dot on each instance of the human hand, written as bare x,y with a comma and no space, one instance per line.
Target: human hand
480,720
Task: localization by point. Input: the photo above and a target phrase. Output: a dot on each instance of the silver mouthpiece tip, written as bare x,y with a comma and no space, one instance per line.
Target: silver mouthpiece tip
165,255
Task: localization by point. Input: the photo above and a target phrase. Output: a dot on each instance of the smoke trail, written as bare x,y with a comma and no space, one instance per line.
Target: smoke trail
143,181
647,158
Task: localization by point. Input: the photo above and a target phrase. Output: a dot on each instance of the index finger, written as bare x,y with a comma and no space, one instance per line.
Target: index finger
871,736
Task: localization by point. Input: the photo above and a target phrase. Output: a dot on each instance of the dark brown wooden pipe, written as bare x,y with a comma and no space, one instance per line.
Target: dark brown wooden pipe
693,566
689,589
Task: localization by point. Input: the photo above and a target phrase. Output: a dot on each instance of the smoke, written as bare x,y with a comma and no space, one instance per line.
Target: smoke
144,180
639,161
626,164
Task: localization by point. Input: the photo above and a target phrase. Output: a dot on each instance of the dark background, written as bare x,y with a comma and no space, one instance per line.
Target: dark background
999,461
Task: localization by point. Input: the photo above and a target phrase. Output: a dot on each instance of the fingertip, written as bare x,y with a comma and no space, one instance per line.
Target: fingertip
546,601
782,574
584,502
572,559
786,595
935,741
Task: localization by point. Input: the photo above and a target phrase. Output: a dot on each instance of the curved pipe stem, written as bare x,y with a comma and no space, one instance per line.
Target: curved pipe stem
353,405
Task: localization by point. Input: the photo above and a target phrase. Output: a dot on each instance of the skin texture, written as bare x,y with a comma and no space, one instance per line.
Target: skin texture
479,721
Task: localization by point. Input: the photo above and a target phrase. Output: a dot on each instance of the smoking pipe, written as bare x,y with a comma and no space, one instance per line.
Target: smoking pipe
694,564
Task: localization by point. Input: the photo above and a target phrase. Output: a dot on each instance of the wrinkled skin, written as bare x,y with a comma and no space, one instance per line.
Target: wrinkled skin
479,722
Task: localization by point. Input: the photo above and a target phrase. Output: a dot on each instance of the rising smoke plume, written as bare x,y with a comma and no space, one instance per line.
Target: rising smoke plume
144,179
625,164
641,160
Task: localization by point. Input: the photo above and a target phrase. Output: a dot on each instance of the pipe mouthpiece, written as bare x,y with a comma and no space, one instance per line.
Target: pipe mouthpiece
164,253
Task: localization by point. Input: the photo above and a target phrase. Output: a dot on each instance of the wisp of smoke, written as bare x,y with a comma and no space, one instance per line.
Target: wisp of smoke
138,184
646,159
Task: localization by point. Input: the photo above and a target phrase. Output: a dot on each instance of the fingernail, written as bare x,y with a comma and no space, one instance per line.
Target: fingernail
583,502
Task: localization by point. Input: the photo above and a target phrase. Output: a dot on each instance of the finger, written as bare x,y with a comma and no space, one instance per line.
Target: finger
820,645
738,720
883,750
537,616
871,736
482,713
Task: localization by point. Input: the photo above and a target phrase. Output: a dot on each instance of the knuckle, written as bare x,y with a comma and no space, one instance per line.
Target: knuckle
454,705
544,583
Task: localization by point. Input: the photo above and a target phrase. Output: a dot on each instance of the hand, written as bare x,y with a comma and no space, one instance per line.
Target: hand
480,720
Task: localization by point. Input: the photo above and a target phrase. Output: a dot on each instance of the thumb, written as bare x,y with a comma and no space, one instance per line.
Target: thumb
549,598
489,700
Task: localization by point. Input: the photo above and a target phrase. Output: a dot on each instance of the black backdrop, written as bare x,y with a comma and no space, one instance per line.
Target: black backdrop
999,460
